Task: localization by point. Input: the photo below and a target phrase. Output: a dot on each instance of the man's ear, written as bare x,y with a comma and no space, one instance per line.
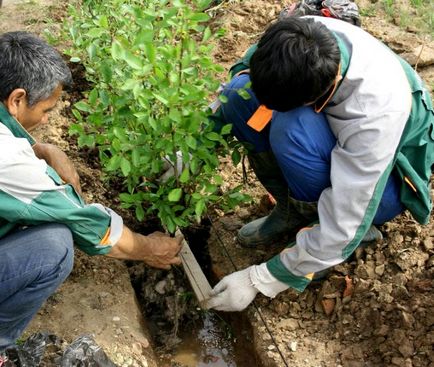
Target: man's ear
16,100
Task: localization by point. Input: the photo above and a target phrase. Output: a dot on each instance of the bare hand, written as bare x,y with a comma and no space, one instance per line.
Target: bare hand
162,250
59,161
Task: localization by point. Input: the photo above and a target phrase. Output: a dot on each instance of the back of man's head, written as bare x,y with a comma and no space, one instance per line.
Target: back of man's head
296,62
29,63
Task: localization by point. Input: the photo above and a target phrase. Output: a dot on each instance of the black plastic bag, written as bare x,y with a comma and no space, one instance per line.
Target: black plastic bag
82,352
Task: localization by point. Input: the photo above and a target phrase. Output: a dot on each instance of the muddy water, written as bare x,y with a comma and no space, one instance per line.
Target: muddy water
209,346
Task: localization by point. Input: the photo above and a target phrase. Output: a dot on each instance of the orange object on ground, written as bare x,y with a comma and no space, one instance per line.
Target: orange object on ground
349,288
328,305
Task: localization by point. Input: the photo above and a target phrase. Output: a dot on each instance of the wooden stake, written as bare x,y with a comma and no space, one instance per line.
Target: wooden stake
198,281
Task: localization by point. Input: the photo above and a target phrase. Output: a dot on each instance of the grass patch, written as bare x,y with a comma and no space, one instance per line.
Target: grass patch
415,14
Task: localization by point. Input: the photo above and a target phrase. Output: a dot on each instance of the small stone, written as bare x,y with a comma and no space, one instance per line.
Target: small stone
159,287
406,348
145,343
271,347
266,337
428,244
379,270
289,324
244,213
293,346
137,348
116,319
271,354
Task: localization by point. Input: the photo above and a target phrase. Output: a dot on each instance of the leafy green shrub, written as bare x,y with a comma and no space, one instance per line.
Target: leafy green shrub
150,65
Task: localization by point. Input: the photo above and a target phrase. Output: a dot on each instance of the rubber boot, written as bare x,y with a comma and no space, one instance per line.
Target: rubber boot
283,219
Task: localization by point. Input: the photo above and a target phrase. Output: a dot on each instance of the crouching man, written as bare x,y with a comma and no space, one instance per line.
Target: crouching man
42,213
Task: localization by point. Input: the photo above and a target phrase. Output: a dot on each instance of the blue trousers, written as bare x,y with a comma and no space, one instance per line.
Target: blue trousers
33,263
302,142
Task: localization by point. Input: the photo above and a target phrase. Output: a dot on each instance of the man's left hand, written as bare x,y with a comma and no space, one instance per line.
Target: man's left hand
233,293
59,161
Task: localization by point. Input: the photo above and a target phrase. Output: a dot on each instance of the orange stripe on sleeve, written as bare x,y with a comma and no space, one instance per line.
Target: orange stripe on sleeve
260,118
406,179
105,241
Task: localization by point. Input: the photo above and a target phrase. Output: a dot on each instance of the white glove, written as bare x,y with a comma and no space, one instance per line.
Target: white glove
168,167
237,290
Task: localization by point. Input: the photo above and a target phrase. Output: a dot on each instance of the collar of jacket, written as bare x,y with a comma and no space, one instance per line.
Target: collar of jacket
345,56
13,125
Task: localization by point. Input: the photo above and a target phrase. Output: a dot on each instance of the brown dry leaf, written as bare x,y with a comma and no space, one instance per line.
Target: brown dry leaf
328,305
349,287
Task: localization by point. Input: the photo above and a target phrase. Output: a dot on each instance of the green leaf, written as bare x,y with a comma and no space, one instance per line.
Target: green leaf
106,72
227,129
135,157
113,163
185,176
75,59
161,99
243,94
140,213
199,17
223,99
91,51
125,166
86,140
236,157
206,34
191,142
77,114
93,97
213,136
199,209
82,106
117,50
144,36
95,32
150,52
175,195
103,21
133,61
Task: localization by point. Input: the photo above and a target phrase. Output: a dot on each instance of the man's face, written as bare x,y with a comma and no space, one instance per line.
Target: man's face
31,117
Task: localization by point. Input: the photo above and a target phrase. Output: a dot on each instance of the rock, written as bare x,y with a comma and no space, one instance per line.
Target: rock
288,324
116,319
244,213
366,271
362,286
398,361
282,308
428,244
379,270
231,223
422,55
159,287
383,330
406,348
293,346
266,337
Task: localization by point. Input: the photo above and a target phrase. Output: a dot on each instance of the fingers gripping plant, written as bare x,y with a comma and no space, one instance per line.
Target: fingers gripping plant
152,75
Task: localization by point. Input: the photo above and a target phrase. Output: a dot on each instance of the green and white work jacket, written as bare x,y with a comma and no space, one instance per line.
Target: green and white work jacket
32,193
382,117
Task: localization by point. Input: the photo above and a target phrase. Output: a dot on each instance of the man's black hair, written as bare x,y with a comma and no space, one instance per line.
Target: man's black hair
295,63
29,63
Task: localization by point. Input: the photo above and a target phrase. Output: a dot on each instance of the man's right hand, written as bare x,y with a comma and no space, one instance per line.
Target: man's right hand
157,249
162,250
